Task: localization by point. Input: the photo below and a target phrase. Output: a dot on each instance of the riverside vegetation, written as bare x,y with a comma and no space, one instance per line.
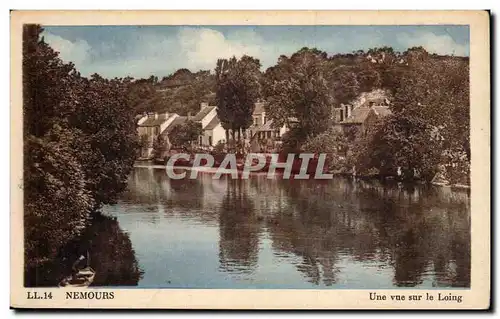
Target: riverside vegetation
80,138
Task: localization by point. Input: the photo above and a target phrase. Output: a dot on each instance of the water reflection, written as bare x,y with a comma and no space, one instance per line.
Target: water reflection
111,255
238,229
272,233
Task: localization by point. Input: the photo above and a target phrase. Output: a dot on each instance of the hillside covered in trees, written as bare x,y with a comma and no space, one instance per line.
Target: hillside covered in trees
181,92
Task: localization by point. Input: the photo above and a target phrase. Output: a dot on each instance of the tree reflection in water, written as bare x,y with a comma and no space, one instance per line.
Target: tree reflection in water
111,256
238,230
416,229
256,228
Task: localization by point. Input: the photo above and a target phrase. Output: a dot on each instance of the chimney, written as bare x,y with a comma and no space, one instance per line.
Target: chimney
203,105
156,115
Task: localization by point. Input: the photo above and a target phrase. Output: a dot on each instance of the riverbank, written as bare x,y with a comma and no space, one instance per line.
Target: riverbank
213,170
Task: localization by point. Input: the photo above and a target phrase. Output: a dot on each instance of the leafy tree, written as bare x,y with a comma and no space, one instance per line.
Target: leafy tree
48,93
296,88
293,140
333,144
56,201
344,84
237,91
436,89
183,135
57,204
408,143
108,134
80,141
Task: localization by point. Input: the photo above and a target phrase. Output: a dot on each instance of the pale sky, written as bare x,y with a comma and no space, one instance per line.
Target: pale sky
141,51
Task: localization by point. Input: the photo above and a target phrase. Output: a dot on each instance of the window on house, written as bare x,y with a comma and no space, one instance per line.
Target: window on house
201,140
210,140
269,134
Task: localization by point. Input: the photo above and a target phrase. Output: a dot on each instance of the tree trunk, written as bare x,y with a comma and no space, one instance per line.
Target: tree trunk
233,134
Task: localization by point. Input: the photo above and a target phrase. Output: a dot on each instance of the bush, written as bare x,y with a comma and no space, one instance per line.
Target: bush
331,143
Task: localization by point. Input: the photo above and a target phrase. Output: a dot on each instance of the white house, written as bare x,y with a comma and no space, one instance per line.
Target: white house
213,132
150,126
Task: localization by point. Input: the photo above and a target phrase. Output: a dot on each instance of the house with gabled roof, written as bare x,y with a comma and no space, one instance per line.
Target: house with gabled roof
364,111
363,117
178,121
213,132
262,127
149,127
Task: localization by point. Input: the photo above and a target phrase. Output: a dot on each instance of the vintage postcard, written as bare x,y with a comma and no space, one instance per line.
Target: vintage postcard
250,159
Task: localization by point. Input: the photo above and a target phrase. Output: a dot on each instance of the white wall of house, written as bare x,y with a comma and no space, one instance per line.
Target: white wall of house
259,119
219,134
283,130
213,136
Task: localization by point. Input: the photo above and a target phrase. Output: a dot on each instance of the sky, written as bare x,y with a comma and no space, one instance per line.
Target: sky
142,51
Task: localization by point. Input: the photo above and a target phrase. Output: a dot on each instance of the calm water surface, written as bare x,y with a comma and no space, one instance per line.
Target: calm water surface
274,233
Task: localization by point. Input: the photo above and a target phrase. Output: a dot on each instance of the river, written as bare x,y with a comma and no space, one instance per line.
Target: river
275,233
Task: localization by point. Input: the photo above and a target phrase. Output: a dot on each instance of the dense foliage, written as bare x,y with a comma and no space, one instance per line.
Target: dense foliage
183,135
297,89
430,123
181,93
237,91
79,146
429,126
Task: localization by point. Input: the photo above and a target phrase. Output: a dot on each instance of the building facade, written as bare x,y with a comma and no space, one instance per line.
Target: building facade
149,127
